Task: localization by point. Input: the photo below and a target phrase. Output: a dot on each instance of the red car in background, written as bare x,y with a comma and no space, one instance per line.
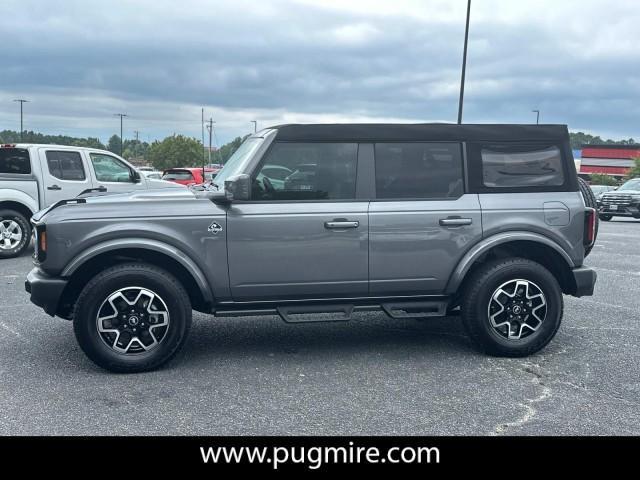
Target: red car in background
189,175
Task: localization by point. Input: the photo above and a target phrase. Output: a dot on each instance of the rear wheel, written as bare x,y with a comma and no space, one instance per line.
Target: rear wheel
132,318
591,202
512,307
15,233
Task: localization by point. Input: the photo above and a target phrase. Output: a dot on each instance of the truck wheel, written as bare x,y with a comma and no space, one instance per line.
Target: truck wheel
132,317
605,218
591,202
15,233
512,307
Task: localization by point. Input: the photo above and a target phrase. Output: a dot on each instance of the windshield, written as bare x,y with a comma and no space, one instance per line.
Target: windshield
631,185
246,150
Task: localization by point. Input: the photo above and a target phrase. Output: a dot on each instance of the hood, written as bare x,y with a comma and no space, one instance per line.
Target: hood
621,192
154,202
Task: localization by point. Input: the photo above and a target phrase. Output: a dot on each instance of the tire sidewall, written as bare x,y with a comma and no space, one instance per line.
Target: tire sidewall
85,324
538,339
26,233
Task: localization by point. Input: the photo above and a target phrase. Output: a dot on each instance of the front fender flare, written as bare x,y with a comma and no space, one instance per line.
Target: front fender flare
144,244
487,244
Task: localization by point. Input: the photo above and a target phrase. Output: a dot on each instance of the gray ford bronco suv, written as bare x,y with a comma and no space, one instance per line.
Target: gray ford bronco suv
315,222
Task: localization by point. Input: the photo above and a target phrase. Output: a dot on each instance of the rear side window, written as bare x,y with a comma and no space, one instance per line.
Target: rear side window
14,160
521,166
65,165
307,171
418,170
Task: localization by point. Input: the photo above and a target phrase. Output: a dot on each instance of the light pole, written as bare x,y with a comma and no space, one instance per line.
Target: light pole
255,125
537,112
22,102
464,62
121,115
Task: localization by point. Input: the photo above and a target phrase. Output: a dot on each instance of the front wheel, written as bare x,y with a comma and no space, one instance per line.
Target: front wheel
512,307
605,218
132,318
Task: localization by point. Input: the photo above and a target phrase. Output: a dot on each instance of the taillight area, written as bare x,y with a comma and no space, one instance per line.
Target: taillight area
589,227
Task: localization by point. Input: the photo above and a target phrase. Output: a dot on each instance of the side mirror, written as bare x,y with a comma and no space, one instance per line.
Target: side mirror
238,187
135,176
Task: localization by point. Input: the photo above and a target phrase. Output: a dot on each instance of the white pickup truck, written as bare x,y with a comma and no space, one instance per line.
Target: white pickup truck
32,177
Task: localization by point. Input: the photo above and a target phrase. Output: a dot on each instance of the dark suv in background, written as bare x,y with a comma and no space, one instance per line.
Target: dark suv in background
623,202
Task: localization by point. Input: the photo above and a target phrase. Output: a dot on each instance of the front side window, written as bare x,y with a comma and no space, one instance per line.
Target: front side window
110,169
14,160
307,171
418,170
521,166
65,165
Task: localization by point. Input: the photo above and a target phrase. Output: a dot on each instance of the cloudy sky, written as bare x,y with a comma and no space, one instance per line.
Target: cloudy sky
79,62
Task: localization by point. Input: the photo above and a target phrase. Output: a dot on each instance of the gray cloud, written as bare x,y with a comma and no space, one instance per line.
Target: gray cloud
317,61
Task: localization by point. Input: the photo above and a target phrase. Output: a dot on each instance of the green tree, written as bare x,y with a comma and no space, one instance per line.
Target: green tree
602,179
114,144
175,151
635,170
10,136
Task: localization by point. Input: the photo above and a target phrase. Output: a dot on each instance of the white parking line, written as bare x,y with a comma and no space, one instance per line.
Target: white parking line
11,330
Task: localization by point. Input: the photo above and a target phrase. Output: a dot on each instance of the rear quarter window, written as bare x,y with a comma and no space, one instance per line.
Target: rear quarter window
517,167
15,160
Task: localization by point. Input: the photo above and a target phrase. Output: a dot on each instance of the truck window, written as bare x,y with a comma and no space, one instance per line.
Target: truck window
521,166
418,170
317,171
65,165
15,160
110,169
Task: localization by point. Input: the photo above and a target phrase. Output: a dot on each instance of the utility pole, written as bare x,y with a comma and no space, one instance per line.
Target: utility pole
210,123
135,145
464,63
255,125
22,102
537,112
203,147
121,115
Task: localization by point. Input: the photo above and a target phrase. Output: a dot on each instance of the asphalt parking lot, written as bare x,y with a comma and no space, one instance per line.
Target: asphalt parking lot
374,375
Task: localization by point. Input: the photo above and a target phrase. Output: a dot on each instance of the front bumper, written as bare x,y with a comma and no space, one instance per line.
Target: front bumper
584,279
620,210
45,290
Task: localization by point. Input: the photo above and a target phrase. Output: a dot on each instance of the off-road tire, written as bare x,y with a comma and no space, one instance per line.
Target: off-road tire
589,201
139,275
478,291
25,227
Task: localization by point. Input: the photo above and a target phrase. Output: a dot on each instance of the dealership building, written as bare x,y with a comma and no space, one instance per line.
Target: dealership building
614,160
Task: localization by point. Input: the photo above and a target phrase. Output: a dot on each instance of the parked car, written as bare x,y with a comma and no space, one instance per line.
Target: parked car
415,220
153,174
623,202
146,169
33,177
189,176
599,190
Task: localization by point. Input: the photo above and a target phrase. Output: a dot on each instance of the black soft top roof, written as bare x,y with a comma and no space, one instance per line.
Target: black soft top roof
372,132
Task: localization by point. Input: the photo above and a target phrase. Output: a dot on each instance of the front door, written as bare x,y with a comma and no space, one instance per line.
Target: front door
303,234
422,222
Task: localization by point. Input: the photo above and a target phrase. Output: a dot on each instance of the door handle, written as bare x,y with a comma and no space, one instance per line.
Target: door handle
455,221
341,223
54,187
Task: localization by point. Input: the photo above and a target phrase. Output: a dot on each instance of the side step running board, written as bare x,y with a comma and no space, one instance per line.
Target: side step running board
415,309
315,313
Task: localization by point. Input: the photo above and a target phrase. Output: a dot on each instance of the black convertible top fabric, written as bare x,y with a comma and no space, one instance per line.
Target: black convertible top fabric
372,132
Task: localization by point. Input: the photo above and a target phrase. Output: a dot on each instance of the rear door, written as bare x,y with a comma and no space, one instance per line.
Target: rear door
421,221
65,174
